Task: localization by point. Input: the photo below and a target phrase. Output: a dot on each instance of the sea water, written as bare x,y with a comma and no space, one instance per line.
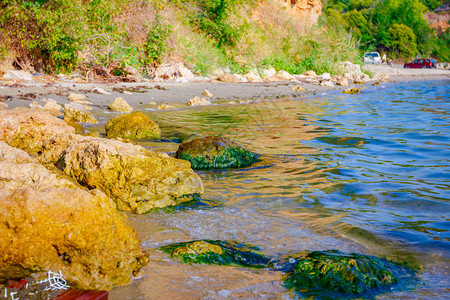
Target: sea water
366,173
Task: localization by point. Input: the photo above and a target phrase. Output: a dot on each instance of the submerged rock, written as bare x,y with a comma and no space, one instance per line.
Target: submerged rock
215,152
217,253
48,222
322,272
198,101
351,91
137,179
29,130
135,126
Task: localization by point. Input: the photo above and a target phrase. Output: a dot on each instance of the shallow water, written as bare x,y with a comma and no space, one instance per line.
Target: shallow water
368,173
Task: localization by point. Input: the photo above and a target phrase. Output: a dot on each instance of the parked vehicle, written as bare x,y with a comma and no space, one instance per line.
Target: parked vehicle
421,63
372,58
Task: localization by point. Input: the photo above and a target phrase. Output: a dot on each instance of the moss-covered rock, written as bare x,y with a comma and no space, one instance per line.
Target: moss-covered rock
324,272
137,179
218,253
215,152
135,126
76,112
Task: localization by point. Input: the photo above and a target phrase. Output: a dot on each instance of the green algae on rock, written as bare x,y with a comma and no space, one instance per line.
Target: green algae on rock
218,253
134,126
215,152
322,272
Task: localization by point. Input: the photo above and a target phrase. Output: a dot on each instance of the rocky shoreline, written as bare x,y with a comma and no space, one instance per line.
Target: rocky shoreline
61,193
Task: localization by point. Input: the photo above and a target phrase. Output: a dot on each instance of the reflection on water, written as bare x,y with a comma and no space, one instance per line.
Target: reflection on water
366,173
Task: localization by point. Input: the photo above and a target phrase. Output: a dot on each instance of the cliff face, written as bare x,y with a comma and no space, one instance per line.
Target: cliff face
308,11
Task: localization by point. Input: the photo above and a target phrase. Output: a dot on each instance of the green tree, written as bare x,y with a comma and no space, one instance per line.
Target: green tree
402,41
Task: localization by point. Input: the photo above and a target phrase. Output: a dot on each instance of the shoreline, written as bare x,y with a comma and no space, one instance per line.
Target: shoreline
22,94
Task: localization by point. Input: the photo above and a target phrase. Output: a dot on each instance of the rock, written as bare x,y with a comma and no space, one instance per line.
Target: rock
137,179
72,230
76,97
207,93
342,81
229,78
198,101
253,76
325,271
131,70
48,222
298,88
310,73
240,77
135,126
381,77
78,127
218,253
283,75
324,77
185,72
52,107
18,75
29,130
34,105
165,106
78,113
119,104
181,80
327,83
268,73
351,91
101,91
307,12
133,78
3,105
215,152
350,68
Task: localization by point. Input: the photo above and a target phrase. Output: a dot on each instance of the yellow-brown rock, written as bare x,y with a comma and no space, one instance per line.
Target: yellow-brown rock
75,231
229,78
76,112
119,104
137,179
307,11
135,126
48,222
29,130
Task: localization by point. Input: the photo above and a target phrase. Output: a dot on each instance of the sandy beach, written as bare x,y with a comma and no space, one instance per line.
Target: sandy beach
22,94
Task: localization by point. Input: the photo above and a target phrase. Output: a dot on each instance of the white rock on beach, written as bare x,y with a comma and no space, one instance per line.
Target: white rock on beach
119,104
268,73
98,90
283,75
20,75
327,83
352,69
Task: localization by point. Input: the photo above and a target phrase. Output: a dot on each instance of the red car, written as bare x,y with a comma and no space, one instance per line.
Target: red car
421,63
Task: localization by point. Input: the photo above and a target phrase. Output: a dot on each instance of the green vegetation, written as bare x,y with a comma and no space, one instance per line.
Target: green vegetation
396,27
218,253
104,36
321,272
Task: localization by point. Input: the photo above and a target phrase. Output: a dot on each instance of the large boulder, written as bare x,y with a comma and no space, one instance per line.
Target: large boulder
29,130
136,178
215,152
75,231
48,222
135,125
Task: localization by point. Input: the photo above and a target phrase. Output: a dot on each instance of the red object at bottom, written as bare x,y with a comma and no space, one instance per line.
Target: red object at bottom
72,294
17,284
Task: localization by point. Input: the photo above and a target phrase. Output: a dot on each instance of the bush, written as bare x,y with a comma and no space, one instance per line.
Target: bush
402,41
155,46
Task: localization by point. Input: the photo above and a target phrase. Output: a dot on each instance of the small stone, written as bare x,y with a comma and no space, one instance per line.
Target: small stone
228,78
34,105
165,106
198,101
298,88
127,93
310,73
98,90
207,93
351,91
327,83
119,104
76,97
134,125
342,81
151,102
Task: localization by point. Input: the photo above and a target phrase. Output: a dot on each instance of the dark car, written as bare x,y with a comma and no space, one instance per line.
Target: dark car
421,63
